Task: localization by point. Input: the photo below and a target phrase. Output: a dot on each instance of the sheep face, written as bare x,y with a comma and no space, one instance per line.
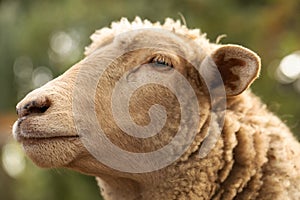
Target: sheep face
55,121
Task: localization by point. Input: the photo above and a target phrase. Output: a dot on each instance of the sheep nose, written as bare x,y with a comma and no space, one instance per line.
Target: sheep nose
33,106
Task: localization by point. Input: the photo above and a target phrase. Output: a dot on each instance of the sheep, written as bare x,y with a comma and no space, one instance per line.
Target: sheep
230,147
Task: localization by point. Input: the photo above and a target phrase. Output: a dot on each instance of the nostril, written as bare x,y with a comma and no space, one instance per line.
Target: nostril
36,106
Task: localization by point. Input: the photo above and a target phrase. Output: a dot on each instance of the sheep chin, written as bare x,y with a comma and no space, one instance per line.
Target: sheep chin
68,149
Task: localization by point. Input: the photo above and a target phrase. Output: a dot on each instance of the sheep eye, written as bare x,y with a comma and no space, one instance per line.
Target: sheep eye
161,62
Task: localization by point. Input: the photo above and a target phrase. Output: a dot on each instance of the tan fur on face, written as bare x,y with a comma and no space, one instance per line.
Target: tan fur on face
255,157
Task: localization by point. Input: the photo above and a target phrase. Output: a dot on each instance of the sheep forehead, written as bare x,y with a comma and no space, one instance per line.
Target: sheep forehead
143,39
105,35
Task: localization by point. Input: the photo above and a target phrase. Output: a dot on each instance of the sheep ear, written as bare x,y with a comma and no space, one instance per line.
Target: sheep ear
238,67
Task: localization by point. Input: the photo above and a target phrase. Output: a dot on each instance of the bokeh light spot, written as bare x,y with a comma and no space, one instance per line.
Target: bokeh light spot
289,68
13,159
64,47
40,76
61,43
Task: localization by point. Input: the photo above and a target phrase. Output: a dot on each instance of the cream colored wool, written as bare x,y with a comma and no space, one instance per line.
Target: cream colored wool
255,157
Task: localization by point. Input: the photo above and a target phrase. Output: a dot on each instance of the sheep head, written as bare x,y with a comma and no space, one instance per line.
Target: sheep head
133,65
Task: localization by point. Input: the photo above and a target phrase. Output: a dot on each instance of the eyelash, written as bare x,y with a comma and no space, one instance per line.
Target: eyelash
160,61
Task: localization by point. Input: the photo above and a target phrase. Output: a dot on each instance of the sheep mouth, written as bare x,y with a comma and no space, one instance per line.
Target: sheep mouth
34,140
26,136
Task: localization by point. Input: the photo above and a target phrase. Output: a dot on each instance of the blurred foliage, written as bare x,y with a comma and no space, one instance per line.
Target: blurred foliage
31,33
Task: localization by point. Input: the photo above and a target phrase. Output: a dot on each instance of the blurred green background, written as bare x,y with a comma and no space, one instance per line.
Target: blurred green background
41,39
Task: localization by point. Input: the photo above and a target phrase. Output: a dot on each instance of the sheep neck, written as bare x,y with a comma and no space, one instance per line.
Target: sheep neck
113,188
